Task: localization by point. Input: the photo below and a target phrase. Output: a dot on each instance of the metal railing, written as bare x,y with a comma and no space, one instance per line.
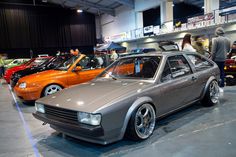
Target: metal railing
219,16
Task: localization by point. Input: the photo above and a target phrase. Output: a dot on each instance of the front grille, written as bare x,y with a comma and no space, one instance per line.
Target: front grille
60,113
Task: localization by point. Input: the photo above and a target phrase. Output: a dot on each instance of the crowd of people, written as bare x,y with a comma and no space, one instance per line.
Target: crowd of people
218,49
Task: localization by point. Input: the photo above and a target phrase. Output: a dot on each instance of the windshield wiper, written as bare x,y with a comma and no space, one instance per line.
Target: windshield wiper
112,76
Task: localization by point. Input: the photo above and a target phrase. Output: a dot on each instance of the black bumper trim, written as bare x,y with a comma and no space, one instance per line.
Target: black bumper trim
87,130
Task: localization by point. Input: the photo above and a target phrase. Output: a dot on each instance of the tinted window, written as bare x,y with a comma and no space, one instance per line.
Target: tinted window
199,62
179,66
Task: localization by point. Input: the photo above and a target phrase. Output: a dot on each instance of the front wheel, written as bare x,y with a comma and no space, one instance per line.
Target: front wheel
51,89
212,95
142,123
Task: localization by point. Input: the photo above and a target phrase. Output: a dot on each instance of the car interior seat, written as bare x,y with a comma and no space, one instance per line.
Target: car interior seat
149,69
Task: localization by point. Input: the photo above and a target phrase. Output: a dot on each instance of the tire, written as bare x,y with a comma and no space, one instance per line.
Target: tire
51,89
142,123
212,94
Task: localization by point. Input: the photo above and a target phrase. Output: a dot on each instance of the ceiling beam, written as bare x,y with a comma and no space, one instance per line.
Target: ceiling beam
103,9
129,3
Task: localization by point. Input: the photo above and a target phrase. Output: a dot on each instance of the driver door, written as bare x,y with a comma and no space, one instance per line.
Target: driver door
83,71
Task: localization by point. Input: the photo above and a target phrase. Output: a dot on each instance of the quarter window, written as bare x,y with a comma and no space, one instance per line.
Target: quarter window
179,66
199,62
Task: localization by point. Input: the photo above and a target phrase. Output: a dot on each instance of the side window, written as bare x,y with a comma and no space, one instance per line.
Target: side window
179,66
88,63
166,74
15,62
199,62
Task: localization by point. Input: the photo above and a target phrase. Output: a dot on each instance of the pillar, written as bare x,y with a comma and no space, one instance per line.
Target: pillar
139,19
212,6
167,14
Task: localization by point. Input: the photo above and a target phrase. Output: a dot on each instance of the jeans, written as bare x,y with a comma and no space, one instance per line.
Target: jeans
221,66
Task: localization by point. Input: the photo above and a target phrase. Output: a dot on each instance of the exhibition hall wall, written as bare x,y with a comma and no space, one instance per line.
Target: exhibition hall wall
44,29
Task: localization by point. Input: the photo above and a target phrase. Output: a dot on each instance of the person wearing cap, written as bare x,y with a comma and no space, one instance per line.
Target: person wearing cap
220,48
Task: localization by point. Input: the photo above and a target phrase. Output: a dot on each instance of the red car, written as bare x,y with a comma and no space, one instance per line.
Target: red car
30,63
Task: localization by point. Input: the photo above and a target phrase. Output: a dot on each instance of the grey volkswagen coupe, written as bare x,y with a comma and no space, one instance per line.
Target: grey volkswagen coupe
130,95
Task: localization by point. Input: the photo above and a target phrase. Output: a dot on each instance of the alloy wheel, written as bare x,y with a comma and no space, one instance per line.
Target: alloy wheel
214,92
145,121
52,89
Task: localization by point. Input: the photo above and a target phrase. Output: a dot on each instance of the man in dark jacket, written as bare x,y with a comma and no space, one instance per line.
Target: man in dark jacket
220,48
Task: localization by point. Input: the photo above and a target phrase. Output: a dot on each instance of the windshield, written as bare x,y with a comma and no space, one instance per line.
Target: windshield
140,67
29,62
66,65
57,61
39,61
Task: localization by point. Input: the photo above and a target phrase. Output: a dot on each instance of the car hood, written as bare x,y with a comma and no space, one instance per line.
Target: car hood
31,70
14,69
48,74
92,96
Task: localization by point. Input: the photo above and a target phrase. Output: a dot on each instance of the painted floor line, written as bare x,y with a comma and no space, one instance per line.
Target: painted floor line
25,125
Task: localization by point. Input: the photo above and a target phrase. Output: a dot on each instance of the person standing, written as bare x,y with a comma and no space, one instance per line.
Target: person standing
186,44
220,48
114,55
198,45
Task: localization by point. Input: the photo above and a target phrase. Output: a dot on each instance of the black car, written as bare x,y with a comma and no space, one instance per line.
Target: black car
50,64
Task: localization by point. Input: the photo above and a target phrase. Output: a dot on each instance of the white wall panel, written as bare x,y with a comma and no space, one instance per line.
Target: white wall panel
122,22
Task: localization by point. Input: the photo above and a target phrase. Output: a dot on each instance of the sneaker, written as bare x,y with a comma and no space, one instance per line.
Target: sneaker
221,90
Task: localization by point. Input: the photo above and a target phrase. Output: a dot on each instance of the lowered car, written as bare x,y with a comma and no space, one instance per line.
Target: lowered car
76,70
128,96
34,62
49,64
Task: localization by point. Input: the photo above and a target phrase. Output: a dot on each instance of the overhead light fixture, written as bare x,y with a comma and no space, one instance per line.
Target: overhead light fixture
173,5
203,7
79,11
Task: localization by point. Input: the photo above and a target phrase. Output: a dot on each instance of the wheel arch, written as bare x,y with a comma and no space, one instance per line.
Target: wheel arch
52,83
131,109
207,85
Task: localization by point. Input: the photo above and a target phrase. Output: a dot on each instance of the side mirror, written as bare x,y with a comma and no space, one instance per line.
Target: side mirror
77,68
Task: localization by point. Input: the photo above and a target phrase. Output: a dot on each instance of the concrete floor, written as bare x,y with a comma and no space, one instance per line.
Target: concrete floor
193,132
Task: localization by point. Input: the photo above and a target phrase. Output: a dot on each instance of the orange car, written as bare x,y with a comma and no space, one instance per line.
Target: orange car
76,70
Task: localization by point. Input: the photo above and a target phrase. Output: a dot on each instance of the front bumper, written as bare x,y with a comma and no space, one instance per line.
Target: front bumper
7,78
27,94
77,130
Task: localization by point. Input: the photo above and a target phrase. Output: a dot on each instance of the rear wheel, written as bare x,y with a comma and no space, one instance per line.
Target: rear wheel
142,123
51,89
212,95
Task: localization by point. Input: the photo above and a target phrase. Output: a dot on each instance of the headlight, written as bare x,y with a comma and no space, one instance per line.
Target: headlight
39,107
89,118
22,85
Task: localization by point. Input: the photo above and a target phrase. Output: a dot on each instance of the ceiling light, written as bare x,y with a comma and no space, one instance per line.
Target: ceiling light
203,7
79,11
173,5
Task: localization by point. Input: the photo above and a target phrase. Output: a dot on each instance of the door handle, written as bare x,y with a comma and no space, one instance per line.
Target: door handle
194,78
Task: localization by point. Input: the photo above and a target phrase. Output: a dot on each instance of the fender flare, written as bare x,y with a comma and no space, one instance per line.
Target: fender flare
207,85
131,109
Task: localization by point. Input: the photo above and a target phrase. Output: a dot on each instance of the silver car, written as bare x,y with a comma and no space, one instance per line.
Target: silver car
129,95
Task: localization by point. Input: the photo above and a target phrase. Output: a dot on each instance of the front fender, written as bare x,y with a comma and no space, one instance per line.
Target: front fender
132,108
